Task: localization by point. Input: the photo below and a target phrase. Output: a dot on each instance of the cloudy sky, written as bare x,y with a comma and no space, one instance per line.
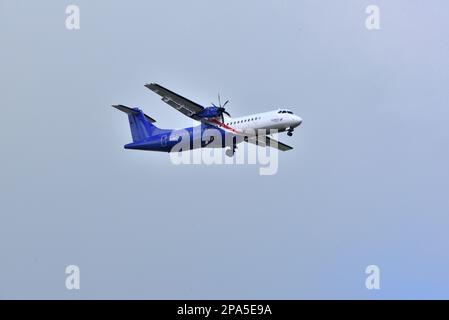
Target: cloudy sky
366,183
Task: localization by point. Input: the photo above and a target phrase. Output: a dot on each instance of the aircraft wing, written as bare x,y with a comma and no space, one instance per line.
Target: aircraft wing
184,105
265,141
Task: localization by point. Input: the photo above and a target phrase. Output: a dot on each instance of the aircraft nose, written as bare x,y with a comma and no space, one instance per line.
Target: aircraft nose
296,121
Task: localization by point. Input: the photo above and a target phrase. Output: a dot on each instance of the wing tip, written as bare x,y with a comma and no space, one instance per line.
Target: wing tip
151,86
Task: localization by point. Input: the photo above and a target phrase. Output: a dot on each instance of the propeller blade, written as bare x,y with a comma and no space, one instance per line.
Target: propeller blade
219,100
227,113
225,103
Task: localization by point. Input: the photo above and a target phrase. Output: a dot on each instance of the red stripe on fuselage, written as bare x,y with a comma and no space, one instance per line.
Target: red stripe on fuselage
221,124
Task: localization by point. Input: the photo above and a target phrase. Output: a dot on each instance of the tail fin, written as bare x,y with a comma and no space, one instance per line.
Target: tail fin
141,125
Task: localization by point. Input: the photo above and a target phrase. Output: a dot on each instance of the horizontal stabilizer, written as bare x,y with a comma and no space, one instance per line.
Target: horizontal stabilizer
135,111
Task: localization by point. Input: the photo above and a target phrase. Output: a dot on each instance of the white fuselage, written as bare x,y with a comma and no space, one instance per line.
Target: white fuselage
278,120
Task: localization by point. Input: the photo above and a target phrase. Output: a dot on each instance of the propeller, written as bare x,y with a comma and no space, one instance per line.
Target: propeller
221,108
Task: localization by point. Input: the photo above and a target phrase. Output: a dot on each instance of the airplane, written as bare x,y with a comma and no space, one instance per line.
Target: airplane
254,128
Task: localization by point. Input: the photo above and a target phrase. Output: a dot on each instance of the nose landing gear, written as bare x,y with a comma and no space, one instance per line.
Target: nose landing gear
290,132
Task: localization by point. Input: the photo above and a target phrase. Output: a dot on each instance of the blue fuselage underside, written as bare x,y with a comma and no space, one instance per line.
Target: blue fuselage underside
192,138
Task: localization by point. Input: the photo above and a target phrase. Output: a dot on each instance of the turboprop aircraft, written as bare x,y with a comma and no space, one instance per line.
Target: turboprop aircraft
217,129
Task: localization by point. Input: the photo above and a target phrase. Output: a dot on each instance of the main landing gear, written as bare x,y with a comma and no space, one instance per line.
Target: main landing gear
231,151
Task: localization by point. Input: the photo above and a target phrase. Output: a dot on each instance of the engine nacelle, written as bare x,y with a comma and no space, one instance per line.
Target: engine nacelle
210,112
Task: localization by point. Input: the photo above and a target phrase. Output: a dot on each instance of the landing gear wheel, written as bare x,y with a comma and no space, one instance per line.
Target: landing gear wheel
231,151
290,133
